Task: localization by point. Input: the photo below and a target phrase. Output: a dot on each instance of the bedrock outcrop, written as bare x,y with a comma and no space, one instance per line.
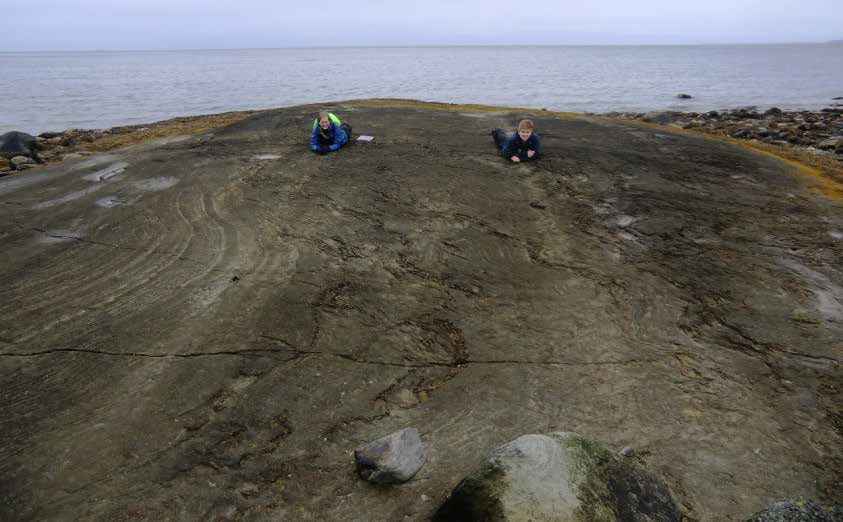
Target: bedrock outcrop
207,326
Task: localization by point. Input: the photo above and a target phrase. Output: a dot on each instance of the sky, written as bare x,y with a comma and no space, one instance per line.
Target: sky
211,24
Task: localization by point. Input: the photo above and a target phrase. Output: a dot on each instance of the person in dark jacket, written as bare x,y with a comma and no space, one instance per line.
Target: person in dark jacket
524,145
328,133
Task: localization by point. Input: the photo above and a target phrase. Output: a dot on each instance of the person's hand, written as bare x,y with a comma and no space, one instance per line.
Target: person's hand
531,153
516,159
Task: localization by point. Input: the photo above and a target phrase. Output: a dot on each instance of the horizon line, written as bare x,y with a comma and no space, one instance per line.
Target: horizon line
411,46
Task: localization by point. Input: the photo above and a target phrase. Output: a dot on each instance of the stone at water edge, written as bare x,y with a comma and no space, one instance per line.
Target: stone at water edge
559,476
392,459
662,118
683,96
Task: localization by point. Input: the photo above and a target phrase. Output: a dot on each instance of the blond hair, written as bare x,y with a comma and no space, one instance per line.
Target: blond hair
526,125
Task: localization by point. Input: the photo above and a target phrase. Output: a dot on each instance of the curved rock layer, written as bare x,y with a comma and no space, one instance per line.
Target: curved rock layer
208,327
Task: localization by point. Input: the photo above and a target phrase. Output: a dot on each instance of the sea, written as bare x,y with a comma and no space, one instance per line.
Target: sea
54,91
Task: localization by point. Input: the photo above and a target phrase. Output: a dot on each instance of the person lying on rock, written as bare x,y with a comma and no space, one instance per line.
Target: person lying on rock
524,145
328,134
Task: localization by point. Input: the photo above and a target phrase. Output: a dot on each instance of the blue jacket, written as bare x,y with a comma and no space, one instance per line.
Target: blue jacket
516,147
336,135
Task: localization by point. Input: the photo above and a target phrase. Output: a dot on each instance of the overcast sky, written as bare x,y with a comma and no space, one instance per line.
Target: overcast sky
212,24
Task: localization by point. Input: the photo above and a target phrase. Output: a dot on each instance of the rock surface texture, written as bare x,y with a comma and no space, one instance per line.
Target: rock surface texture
213,324
392,459
562,477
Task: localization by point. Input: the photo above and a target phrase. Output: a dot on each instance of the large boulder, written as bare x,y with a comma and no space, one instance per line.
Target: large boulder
562,477
392,459
797,511
5,165
16,143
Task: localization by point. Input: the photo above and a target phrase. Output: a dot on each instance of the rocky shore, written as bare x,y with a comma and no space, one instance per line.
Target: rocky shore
817,132
20,151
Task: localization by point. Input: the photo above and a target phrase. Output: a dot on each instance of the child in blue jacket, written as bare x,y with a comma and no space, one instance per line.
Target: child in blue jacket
524,145
328,134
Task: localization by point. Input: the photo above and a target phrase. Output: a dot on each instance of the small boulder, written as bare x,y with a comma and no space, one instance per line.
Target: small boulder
16,143
22,162
797,511
558,476
5,165
392,459
662,118
831,143
69,140
683,96
747,113
50,135
773,111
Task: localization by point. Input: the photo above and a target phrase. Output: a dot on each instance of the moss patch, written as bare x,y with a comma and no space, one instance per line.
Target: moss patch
610,488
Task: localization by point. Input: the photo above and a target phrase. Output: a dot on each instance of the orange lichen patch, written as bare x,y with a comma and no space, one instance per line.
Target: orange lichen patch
823,173
171,127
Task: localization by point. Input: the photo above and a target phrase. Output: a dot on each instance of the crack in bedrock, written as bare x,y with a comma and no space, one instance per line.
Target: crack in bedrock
296,354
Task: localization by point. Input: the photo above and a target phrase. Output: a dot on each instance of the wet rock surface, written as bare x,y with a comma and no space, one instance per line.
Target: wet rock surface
559,476
206,333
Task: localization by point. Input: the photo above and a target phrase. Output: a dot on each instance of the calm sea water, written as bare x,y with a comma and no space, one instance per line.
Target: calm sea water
60,90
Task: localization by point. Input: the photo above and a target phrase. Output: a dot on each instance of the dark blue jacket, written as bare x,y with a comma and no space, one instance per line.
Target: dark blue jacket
336,137
516,147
